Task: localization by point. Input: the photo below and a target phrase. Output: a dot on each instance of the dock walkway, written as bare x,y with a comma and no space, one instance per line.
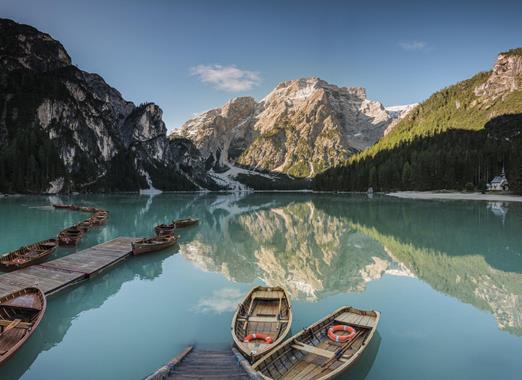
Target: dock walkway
55,275
227,364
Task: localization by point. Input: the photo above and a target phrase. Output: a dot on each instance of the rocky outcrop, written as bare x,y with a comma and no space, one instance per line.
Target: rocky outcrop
301,128
95,138
504,79
222,134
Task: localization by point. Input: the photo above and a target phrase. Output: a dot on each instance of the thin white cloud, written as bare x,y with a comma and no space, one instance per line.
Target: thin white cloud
222,300
413,45
227,78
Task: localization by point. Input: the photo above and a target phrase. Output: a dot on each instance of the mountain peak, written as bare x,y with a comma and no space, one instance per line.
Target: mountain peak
25,47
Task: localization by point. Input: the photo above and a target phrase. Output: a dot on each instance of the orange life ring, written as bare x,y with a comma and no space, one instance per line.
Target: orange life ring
266,338
341,338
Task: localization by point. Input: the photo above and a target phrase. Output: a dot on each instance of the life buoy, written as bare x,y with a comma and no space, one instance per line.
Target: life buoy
266,338
341,338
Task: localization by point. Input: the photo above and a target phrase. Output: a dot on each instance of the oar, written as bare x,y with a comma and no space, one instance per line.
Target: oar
341,350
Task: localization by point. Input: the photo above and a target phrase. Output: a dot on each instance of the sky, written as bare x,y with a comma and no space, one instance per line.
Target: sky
191,56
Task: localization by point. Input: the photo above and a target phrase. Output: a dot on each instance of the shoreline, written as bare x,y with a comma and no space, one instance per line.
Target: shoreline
430,195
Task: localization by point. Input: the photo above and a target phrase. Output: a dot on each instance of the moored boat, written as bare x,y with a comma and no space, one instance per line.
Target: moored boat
180,223
61,206
28,255
164,229
84,225
88,209
74,207
262,321
154,244
99,218
324,350
70,236
20,315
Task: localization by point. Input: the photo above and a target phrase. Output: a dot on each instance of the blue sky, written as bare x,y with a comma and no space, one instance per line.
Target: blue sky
190,56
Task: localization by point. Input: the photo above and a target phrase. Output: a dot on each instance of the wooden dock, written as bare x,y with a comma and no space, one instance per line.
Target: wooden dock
55,275
227,364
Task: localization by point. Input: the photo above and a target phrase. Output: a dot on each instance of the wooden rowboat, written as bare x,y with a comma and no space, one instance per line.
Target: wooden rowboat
165,229
312,354
28,255
88,209
61,206
153,244
265,312
84,225
20,315
180,223
70,236
99,218
74,207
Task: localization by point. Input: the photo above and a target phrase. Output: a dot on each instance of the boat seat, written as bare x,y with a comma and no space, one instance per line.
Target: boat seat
313,350
263,319
367,322
13,324
20,325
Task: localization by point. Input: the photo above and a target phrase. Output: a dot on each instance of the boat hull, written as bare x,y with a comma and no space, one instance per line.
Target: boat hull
28,255
153,245
313,354
265,310
180,223
20,314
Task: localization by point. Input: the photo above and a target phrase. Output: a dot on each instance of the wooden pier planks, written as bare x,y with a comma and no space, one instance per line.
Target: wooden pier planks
55,275
224,364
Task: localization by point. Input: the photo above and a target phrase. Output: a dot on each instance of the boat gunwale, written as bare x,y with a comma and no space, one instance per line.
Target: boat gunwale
346,364
282,335
9,353
6,259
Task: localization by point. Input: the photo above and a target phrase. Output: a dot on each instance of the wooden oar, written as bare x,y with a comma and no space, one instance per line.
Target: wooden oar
341,350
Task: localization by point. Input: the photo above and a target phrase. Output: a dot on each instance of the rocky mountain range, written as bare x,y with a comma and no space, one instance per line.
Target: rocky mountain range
301,128
64,129
459,138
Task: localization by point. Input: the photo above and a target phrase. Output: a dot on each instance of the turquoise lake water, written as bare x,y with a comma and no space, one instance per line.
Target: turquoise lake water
446,276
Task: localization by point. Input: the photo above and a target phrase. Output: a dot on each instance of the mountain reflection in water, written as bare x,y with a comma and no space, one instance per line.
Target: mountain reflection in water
317,247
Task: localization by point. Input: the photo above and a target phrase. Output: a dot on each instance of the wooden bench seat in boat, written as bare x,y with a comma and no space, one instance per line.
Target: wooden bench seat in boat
268,295
313,350
20,325
356,320
262,319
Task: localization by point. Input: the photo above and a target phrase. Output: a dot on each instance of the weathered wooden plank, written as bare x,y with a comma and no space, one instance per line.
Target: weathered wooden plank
54,275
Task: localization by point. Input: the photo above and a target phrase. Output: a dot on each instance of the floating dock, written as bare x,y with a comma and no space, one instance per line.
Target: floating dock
55,275
226,364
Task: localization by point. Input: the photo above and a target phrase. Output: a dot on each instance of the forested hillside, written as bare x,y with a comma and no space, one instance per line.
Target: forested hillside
456,159
456,139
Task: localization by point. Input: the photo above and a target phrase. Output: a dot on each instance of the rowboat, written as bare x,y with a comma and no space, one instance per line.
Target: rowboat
84,225
153,244
20,315
70,236
28,255
164,229
88,209
74,207
99,218
323,350
61,206
261,321
180,223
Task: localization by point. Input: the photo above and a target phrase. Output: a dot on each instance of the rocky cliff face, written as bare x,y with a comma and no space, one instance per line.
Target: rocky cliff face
504,79
301,128
94,138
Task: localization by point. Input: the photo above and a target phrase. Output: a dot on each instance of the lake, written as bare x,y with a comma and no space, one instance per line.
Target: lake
446,276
